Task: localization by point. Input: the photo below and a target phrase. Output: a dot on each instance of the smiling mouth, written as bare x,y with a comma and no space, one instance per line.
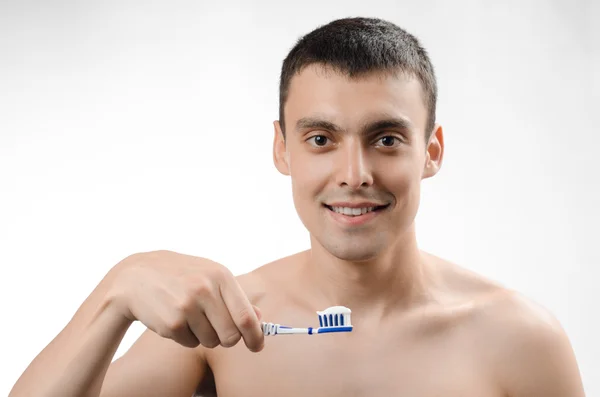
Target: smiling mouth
355,211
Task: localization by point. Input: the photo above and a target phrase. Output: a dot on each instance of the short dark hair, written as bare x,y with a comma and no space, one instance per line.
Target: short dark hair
358,47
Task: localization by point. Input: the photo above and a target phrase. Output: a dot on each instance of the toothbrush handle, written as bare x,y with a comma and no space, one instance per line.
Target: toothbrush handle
277,329
289,330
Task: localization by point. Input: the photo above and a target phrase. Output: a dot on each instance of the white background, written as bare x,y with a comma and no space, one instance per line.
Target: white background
130,126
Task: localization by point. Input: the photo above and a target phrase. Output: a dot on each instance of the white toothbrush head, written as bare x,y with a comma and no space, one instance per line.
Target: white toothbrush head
335,317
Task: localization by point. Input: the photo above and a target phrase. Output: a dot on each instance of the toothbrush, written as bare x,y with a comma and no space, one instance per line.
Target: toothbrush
332,319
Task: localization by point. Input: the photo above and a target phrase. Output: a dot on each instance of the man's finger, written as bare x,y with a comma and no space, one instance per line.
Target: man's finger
243,314
222,322
203,329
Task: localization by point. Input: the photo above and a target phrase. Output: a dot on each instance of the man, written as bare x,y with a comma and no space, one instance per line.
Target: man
357,135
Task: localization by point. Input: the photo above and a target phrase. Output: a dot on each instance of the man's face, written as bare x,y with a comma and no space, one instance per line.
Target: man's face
356,153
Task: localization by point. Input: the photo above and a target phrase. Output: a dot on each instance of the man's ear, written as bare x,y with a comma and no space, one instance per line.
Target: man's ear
435,152
280,154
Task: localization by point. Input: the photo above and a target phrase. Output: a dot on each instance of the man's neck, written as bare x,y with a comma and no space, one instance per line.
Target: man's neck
397,279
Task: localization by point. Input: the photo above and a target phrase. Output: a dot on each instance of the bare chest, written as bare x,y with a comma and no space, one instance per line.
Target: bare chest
346,366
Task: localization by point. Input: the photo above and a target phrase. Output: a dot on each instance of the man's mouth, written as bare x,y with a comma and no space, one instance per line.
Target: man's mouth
355,211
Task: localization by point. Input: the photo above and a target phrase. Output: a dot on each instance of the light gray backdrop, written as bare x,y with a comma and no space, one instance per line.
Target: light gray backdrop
139,125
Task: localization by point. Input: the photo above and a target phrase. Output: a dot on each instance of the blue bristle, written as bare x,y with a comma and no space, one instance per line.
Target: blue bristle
320,321
334,329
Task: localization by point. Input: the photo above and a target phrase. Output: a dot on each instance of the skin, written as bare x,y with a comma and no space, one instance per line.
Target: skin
423,326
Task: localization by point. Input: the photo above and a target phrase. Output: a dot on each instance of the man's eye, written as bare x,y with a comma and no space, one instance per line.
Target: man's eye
319,140
388,141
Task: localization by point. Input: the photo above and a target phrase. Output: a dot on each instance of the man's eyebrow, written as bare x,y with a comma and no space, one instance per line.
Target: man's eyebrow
387,122
310,123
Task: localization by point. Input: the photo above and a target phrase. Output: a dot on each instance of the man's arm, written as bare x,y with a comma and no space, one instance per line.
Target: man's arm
76,361
155,366
537,358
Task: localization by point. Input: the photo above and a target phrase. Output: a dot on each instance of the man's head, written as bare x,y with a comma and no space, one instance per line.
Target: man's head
358,47
357,128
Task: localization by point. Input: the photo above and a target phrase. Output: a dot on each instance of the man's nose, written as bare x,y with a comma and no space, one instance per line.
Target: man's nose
354,169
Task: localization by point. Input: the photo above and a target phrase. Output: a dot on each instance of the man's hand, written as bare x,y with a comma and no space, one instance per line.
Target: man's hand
187,299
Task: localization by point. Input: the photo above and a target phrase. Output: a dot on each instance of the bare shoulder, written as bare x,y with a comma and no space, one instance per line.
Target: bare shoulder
270,279
526,347
531,351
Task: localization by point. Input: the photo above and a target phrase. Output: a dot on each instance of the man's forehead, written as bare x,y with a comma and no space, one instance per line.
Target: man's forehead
318,73
317,97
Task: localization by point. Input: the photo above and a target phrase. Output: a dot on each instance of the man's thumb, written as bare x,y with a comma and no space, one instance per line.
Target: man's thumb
258,312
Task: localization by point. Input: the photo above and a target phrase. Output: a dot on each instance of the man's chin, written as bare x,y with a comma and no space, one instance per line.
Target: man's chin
353,252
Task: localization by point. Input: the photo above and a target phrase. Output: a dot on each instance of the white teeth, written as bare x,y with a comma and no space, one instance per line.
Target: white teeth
352,211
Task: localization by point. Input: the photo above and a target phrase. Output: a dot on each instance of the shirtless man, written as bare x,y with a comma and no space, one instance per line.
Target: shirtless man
359,132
